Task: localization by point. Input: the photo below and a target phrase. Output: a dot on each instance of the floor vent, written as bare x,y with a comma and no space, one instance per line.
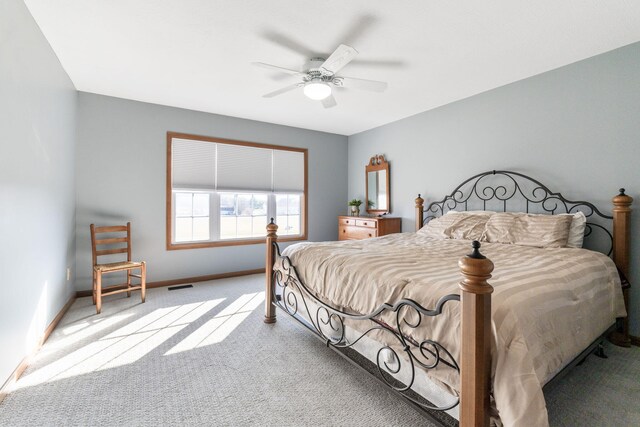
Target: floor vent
173,288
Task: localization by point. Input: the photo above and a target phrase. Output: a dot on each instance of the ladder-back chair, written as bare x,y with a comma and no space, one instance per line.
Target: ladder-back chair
127,266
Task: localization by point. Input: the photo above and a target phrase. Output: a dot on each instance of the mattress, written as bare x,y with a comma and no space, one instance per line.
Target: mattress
548,304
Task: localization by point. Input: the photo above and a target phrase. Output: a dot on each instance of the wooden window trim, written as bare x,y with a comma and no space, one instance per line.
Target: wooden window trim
254,241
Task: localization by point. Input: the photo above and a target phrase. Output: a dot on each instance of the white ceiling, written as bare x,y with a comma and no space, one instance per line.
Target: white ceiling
196,54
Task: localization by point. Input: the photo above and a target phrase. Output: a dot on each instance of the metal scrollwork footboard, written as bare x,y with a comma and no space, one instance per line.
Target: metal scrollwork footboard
292,296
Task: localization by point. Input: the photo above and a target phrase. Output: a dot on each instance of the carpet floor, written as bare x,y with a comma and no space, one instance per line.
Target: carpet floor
203,356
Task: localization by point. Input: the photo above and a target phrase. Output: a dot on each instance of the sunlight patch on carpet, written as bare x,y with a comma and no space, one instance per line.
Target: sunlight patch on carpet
125,345
220,326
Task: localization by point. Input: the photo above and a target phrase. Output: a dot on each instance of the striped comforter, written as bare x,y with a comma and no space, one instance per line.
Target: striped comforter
548,304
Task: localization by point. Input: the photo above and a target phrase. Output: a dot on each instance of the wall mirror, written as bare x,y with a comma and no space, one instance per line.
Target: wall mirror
377,185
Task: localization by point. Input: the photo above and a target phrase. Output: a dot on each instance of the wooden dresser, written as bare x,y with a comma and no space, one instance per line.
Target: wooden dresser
357,227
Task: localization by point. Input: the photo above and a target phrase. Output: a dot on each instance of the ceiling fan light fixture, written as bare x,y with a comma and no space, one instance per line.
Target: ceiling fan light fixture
317,90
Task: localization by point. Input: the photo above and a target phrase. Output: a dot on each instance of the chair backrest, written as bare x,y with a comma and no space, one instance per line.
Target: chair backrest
110,241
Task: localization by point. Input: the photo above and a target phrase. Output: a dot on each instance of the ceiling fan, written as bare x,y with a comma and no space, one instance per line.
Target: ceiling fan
320,76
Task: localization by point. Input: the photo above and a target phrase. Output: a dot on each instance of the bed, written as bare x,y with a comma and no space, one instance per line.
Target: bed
479,351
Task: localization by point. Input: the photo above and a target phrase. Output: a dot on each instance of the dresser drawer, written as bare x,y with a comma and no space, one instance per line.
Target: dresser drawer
367,223
359,227
349,232
346,221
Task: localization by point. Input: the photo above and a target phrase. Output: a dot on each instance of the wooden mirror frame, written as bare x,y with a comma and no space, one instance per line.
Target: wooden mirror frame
377,163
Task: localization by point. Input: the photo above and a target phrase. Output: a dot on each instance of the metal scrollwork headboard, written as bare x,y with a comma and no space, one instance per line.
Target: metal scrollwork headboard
507,191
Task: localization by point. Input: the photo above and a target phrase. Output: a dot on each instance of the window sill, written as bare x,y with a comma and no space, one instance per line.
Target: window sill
222,243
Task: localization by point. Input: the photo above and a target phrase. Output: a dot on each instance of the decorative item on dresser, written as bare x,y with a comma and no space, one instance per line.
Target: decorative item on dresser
357,228
354,207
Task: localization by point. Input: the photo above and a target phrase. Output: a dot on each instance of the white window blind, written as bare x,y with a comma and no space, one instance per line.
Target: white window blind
244,168
193,164
288,171
227,167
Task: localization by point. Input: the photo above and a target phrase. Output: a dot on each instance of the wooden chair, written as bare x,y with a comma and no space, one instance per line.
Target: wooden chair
112,267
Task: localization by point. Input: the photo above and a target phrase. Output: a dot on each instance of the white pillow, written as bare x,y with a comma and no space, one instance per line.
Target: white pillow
538,230
472,212
457,225
576,231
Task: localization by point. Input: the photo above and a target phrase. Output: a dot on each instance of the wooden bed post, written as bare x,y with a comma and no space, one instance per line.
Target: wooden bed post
621,234
419,212
475,357
269,308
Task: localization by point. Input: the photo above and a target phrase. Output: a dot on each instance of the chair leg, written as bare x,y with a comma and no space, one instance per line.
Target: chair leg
128,283
94,287
143,280
99,292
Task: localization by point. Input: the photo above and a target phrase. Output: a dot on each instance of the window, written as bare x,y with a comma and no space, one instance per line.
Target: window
242,215
192,217
224,192
288,214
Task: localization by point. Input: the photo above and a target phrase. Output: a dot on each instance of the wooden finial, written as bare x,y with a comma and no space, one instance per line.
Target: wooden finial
476,251
272,229
476,269
622,201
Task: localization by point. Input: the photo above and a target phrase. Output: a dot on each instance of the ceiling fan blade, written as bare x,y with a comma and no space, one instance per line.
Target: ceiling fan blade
329,102
289,43
338,59
282,90
378,63
371,85
276,68
362,25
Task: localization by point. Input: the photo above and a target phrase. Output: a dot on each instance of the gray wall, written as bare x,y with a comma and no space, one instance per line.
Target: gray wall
37,184
576,128
121,173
